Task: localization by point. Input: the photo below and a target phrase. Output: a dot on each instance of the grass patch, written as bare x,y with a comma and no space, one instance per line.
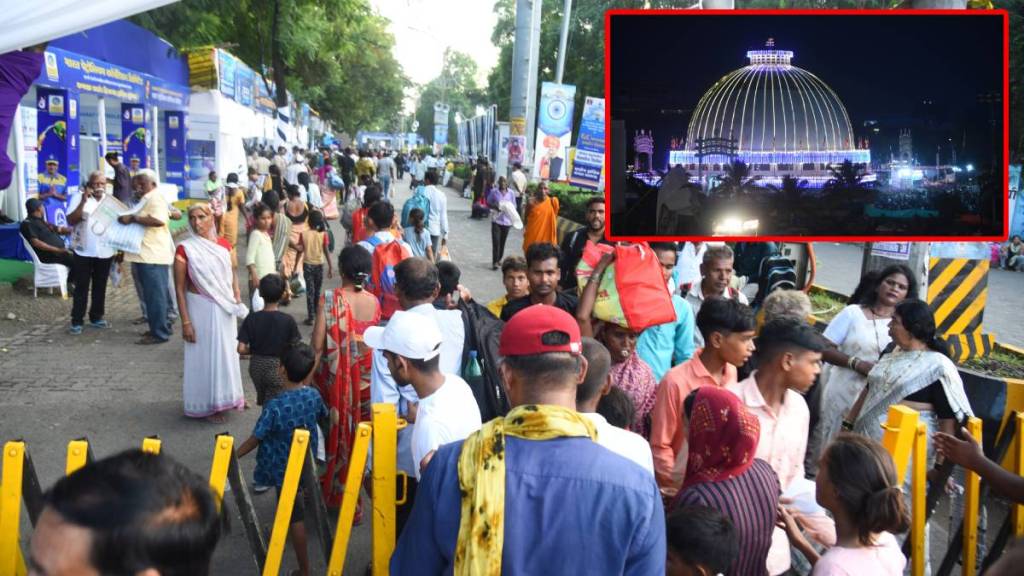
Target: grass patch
824,306
1001,363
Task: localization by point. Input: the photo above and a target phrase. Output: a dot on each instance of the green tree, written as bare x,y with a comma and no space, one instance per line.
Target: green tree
456,85
736,181
334,54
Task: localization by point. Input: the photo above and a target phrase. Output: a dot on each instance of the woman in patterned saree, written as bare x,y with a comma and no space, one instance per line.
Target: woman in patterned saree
344,373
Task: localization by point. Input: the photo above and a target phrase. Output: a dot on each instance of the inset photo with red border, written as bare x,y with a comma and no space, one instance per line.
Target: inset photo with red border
841,125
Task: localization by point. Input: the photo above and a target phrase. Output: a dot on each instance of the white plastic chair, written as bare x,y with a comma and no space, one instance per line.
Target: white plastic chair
47,275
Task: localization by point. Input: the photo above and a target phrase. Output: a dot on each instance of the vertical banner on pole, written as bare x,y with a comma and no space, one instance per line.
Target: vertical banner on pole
589,162
57,151
174,143
134,143
554,130
517,141
440,124
502,141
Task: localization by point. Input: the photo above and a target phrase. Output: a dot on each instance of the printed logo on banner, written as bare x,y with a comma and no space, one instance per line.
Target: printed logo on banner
51,67
56,105
73,108
172,122
138,116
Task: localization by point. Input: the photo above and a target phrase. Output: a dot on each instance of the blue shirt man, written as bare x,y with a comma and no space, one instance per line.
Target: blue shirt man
571,505
667,345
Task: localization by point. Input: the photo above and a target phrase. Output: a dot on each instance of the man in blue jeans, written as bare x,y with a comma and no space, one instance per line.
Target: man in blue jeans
150,266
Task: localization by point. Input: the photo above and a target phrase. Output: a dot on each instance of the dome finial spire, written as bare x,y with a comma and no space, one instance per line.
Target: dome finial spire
770,43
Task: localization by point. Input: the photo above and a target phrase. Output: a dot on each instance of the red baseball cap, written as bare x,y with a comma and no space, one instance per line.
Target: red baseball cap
540,329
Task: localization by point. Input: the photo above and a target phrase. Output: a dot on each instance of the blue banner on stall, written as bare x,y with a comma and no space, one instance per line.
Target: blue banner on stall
244,77
57,145
589,161
174,140
202,159
84,74
264,97
226,66
134,141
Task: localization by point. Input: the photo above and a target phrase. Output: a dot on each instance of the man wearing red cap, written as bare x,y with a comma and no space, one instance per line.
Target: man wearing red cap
532,493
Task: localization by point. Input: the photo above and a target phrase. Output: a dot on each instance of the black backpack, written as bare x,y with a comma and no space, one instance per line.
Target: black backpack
776,273
483,334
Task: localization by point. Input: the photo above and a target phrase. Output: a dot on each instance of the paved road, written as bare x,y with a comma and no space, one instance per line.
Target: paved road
55,387
839,269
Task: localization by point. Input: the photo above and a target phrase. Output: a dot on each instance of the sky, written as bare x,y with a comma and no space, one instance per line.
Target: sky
880,66
423,28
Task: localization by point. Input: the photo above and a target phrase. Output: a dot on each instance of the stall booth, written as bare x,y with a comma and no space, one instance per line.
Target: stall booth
116,87
232,106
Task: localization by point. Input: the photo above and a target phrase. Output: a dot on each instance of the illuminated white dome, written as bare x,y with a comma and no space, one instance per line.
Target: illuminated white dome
772,106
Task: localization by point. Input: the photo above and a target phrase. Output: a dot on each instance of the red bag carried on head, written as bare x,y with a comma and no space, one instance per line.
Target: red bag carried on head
633,292
382,282
643,292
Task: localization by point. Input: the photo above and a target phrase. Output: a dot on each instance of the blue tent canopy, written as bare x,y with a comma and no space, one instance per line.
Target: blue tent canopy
130,46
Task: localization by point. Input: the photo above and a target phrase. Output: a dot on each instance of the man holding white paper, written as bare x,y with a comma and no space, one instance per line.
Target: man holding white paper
151,263
92,257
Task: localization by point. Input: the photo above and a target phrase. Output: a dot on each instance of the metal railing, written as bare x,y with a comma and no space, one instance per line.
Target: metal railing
20,484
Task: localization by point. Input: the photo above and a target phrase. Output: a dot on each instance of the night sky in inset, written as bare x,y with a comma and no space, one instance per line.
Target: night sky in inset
899,70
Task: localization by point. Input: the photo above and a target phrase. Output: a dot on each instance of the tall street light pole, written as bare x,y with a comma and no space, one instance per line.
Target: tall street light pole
563,40
522,104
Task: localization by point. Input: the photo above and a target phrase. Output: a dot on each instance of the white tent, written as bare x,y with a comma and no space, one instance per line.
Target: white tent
30,23
215,119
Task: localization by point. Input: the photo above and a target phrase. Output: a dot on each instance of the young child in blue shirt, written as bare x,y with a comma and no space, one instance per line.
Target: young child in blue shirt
297,406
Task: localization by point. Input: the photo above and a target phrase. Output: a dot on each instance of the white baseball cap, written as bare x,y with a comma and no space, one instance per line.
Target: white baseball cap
407,334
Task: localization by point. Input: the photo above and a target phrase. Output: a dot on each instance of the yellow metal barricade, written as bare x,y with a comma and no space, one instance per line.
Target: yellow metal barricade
151,445
286,502
223,447
1018,510
900,429
972,488
918,494
11,561
385,465
78,456
353,483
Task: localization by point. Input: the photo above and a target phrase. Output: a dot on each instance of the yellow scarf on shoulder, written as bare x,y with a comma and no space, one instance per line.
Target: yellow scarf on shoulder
482,480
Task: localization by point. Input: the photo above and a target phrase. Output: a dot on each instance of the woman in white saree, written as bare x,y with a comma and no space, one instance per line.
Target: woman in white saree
209,301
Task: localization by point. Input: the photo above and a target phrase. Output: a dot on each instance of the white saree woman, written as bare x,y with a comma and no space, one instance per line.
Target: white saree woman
209,301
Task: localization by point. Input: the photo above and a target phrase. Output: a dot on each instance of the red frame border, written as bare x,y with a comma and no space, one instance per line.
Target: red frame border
875,12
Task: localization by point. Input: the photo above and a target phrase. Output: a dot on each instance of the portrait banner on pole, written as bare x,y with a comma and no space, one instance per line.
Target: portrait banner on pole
440,123
554,130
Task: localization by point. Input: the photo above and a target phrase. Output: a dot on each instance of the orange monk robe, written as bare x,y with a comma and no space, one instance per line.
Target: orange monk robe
541,223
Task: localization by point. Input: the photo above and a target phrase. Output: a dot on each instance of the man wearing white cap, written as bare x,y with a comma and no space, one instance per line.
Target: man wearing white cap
447,410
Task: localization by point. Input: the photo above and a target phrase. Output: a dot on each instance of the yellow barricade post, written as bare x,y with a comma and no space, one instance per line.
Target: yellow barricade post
151,445
221,462
283,517
385,463
918,493
353,483
898,439
972,488
1018,510
11,561
78,456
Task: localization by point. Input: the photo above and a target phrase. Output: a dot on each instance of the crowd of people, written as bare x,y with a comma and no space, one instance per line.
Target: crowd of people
725,441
